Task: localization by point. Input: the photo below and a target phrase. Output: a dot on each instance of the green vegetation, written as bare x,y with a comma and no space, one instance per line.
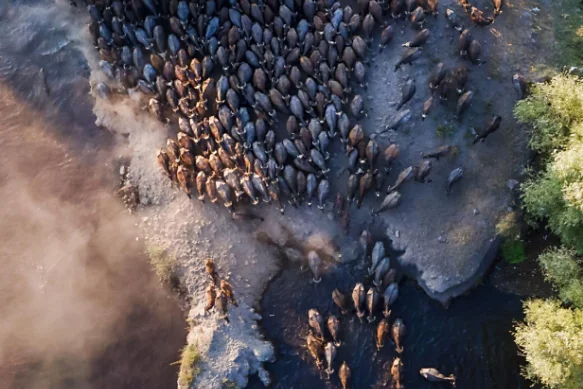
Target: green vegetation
552,335
551,338
445,131
568,30
555,194
189,360
561,267
163,263
553,109
513,251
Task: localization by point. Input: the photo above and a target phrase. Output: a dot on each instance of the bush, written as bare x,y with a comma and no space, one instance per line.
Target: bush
513,251
189,360
551,109
551,339
561,268
162,263
555,195
544,200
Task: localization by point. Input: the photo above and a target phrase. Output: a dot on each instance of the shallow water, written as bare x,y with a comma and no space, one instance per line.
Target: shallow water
471,339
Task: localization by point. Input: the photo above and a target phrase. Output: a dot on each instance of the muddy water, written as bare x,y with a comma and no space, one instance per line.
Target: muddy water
81,308
471,339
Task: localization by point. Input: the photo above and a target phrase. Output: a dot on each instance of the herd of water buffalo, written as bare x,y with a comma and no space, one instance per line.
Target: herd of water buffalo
324,337
260,89
228,71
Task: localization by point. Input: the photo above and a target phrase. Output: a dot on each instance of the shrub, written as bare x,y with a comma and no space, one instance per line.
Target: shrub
561,268
189,360
551,339
513,251
555,195
162,263
544,200
552,109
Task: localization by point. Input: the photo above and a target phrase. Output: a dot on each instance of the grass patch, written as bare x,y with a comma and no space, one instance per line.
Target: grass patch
189,360
445,131
568,31
513,251
163,263
508,226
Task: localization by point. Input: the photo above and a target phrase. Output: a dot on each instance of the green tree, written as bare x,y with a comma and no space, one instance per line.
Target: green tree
552,339
552,109
555,194
561,267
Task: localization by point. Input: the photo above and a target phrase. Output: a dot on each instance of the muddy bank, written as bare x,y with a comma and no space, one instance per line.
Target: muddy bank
81,307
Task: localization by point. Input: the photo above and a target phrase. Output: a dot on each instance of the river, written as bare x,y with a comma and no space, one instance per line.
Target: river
470,339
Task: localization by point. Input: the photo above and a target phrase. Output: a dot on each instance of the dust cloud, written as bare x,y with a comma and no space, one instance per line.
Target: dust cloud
80,308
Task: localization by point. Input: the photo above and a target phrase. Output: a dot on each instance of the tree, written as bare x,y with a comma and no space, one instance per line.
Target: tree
552,339
561,267
555,195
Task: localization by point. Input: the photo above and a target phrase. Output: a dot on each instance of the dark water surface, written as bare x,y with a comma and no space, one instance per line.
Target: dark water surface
471,339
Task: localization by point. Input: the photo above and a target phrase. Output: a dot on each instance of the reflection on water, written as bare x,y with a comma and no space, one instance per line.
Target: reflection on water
471,339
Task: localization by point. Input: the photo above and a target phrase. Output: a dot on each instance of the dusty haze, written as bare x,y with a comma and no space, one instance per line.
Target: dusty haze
80,308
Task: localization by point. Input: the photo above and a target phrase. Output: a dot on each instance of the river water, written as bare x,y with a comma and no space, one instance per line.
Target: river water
470,339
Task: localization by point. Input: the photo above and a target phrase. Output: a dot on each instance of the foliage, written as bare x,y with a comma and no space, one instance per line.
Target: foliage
555,195
552,108
544,199
513,251
513,248
162,263
189,360
561,267
551,339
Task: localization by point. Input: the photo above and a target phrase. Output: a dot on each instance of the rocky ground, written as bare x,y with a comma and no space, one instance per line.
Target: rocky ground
447,241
